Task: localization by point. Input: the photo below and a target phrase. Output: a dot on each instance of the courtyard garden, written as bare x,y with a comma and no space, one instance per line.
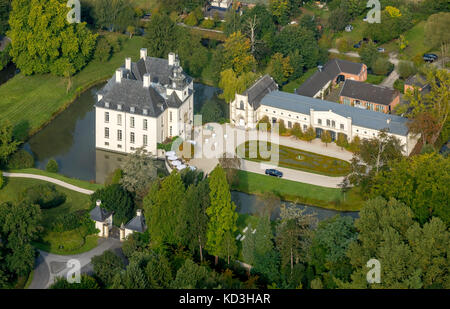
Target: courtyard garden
297,159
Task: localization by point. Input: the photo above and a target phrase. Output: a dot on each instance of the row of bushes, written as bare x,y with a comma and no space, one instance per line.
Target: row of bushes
23,159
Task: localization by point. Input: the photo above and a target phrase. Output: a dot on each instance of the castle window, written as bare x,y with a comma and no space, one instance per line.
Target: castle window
106,132
131,122
106,117
119,135
145,124
242,105
132,137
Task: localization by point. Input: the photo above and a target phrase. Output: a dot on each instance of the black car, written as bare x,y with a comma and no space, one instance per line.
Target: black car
358,45
430,57
274,172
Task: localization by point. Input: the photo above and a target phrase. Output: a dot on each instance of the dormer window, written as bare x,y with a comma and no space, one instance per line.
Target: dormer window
106,104
132,109
145,111
119,107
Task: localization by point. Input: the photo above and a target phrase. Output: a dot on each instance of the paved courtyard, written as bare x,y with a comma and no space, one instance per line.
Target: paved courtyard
213,139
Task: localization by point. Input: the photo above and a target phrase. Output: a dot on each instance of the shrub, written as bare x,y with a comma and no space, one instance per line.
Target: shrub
68,221
115,42
102,50
382,66
44,195
20,159
208,24
265,120
1,179
399,85
114,177
52,166
191,20
406,69
342,45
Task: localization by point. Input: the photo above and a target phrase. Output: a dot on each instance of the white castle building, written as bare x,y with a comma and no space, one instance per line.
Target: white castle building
144,103
264,99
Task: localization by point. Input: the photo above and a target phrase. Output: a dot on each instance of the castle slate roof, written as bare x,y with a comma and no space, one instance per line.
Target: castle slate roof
130,92
368,92
329,72
360,117
137,224
99,214
259,89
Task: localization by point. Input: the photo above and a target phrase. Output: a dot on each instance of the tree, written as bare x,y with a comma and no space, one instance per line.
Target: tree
342,141
435,102
157,31
293,233
132,278
211,111
280,10
232,84
19,226
381,66
421,182
117,199
158,271
7,145
190,276
114,15
309,135
411,256
328,249
374,156
326,137
280,68
102,50
196,203
51,43
424,124
163,210
106,266
435,34
5,8
229,248
86,282
191,20
339,18
267,124
297,130
231,164
406,69
131,31
238,55
138,172
52,166
369,54
222,213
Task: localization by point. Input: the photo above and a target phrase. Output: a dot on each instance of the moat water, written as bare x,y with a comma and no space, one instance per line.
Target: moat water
70,140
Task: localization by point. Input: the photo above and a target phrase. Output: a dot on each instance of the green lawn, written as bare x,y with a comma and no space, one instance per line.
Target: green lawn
72,241
298,192
416,43
76,182
375,79
292,85
33,101
298,159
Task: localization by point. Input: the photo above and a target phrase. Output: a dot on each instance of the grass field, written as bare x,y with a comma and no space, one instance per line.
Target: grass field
76,182
31,102
416,42
298,159
72,241
298,192
375,79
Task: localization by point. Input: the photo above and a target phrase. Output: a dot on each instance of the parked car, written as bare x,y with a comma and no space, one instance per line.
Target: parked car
348,28
380,49
434,56
357,45
274,172
430,57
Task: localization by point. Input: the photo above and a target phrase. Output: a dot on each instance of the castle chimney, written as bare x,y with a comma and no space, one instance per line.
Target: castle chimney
98,203
99,97
143,53
171,58
147,80
128,64
118,75
388,121
138,212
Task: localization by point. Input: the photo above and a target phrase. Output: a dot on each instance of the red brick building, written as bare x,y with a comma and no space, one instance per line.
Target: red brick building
368,96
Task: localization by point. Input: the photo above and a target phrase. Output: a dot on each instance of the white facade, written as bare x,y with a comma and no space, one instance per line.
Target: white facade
324,120
121,128
224,4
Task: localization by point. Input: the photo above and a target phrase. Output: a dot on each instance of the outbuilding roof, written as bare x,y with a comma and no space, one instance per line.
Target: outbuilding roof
100,214
137,224
368,92
329,72
360,117
259,89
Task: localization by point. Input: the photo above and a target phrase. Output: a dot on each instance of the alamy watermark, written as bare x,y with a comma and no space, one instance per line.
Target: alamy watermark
374,274
374,15
74,15
74,273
